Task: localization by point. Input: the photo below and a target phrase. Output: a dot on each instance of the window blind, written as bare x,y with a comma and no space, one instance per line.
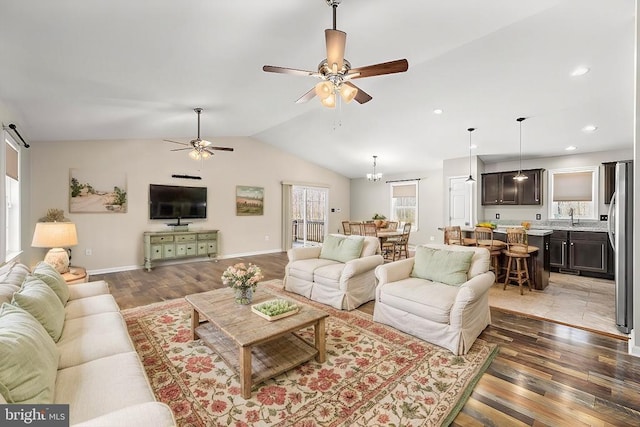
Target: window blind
12,162
573,187
404,190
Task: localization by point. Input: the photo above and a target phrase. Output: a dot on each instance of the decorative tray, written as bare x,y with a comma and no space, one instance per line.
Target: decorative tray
275,309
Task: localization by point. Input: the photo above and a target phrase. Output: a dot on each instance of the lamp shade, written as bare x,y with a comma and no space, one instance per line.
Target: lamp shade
54,235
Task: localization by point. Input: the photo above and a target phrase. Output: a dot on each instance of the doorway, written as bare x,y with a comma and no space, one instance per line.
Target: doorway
460,202
309,213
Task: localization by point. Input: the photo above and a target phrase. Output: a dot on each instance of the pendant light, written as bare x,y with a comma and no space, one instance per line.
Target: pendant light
470,180
374,176
520,176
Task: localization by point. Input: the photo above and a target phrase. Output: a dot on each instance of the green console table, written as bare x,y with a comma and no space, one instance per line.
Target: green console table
170,245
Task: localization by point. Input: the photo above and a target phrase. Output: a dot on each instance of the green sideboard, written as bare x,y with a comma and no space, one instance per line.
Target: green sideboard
170,245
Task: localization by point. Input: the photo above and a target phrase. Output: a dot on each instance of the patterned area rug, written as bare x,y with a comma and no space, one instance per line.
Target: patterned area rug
374,374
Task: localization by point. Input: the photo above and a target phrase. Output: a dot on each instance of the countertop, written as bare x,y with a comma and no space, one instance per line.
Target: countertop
503,230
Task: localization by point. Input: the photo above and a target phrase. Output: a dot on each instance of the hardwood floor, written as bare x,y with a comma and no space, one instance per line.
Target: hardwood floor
546,374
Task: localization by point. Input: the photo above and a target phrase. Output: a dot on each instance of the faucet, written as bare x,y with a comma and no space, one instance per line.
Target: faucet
571,215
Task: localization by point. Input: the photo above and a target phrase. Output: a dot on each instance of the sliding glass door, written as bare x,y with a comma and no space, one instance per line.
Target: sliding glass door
309,208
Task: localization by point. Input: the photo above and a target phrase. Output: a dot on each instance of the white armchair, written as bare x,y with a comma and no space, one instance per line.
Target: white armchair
451,316
343,285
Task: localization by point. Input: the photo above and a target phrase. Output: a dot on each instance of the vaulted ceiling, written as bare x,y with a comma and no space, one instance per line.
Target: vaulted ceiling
122,69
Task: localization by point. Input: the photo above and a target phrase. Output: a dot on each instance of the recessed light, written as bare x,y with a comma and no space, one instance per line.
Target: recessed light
589,128
571,148
580,71
438,111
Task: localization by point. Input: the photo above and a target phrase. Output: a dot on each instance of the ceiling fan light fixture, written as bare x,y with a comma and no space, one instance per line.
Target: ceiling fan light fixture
348,93
205,154
324,89
194,154
329,101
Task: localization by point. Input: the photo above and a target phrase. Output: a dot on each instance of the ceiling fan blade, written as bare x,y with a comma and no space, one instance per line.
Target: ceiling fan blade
284,70
307,96
361,96
220,148
209,151
336,41
181,149
176,142
398,66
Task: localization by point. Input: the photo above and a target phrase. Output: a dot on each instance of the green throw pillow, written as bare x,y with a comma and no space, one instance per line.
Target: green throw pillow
341,248
51,277
39,300
28,358
439,265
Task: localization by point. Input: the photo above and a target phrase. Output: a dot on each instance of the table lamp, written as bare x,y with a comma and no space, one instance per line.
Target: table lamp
56,236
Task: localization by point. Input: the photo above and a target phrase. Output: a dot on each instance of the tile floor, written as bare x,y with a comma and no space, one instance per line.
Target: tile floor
579,301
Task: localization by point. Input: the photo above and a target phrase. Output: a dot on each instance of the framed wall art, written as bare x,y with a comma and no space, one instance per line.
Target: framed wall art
249,200
97,191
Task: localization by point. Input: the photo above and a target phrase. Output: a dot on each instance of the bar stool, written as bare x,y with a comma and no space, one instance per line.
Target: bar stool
483,237
453,235
517,252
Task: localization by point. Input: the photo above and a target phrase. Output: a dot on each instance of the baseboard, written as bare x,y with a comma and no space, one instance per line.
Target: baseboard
181,261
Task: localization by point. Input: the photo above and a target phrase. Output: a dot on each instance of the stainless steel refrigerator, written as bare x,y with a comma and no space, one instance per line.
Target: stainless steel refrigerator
621,238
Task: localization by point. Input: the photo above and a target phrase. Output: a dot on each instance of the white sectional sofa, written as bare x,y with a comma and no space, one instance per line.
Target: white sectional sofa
92,366
339,274
441,295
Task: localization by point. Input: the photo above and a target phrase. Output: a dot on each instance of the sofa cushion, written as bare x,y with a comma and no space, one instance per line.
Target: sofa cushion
423,298
89,289
329,275
341,248
51,277
7,291
304,268
39,300
89,306
15,274
92,337
101,386
439,265
28,358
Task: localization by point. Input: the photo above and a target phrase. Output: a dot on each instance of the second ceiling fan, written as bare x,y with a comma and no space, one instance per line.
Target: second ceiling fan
200,148
336,72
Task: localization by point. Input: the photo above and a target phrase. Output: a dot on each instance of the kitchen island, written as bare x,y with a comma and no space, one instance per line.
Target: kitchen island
539,261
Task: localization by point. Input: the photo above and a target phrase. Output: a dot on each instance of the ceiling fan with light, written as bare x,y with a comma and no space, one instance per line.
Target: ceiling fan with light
200,148
335,71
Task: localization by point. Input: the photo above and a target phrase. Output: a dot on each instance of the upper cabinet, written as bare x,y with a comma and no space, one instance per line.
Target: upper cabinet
609,181
500,188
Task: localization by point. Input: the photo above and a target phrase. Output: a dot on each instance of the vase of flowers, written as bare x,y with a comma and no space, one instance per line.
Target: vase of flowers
243,279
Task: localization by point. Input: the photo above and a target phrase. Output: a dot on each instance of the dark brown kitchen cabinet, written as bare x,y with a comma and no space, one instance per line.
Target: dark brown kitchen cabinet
500,188
609,181
581,252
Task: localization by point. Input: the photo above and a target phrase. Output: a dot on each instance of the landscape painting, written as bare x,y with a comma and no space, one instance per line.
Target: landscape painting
249,200
97,191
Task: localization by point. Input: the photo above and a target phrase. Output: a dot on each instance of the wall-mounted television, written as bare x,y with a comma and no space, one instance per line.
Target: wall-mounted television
177,202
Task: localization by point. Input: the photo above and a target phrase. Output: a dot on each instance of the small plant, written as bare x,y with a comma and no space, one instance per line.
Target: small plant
276,307
54,215
378,216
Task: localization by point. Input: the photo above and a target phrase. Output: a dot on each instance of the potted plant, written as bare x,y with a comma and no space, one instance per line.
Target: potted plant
380,220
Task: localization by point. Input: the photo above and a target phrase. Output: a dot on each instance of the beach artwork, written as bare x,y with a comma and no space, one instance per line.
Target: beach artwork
97,191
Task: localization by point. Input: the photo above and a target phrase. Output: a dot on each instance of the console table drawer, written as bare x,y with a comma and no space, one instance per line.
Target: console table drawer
161,239
207,236
186,238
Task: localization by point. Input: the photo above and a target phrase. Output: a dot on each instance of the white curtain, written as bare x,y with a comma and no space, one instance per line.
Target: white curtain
287,231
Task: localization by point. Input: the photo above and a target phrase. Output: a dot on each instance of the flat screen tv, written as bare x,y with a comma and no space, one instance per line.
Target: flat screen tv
177,202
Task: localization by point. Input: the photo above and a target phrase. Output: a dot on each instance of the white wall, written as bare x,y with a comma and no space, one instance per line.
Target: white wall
528,213
116,239
369,198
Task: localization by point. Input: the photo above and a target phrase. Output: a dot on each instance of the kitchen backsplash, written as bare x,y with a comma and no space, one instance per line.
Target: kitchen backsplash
591,225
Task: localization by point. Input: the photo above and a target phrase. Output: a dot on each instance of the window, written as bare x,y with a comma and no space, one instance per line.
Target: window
10,218
404,203
574,191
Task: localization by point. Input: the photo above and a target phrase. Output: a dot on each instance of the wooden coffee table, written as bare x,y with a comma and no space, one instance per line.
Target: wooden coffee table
255,348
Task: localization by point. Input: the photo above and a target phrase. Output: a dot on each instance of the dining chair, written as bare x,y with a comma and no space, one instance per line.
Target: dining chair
370,229
453,235
356,228
392,225
401,244
483,237
345,228
517,252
